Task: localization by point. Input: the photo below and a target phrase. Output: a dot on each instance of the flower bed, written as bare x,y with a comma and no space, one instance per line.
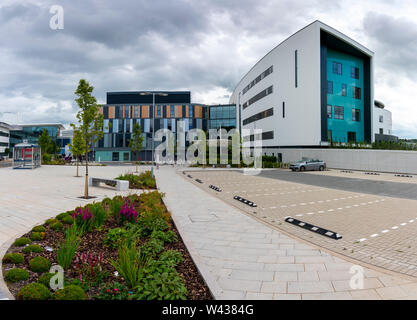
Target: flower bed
141,181
121,248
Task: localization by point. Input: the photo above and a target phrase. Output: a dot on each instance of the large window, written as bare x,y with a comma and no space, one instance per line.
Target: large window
329,87
356,115
337,68
339,113
172,111
269,135
381,119
329,111
264,74
190,111
259,116
158,111
259,96
351,136
357,93
354,72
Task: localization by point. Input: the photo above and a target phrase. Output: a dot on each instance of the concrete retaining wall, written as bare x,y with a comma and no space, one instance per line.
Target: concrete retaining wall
368,160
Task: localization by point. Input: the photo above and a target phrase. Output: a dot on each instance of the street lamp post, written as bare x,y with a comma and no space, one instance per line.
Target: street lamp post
153,122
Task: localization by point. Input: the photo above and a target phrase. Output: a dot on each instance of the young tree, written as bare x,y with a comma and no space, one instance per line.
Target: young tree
90,120
44,141
136,141
77,146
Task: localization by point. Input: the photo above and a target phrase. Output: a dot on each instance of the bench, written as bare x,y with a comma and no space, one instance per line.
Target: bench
121,185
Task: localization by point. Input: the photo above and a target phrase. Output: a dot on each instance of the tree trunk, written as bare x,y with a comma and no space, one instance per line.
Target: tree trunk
76,161
86,176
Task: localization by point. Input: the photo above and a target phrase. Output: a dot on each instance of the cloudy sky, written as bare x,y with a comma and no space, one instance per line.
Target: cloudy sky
205,46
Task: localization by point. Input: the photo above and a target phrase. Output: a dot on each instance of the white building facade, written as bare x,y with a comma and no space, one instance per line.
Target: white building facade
313,88
382,120
4,138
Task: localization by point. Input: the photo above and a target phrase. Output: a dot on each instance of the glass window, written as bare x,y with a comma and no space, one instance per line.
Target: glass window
296,68
172,112
351,136
339,112
283,109
381,130
381,119
190,111
329,111
354,72
356,115
329,87
337,68
329,135
158,111
344,90
357,93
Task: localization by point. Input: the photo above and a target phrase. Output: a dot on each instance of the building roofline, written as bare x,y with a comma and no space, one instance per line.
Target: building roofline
334,33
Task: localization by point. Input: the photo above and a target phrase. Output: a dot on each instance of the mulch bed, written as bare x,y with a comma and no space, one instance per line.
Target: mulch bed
92,242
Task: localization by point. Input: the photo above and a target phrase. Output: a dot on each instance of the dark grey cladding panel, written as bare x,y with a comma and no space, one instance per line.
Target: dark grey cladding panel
136,98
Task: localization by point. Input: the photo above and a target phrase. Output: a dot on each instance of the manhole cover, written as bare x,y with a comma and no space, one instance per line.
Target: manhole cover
203,218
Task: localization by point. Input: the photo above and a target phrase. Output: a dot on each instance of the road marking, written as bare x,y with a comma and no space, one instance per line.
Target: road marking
385,231
374,235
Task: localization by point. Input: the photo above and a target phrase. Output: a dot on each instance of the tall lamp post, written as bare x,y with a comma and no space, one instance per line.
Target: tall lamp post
153,121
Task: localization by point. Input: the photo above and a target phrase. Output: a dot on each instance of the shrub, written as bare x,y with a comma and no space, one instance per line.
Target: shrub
67,220
168,236
153,247
34,291
39,264
57,226
33,248
114,291
63,215
51,221
67,249
39,229
46,158
70,292
115,237
22,242
130,264
45,279
16,275
149,222
37,236
15,258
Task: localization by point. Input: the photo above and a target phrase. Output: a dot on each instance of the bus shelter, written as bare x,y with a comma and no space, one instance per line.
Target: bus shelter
26,156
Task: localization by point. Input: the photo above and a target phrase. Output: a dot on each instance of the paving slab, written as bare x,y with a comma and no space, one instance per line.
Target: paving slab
299,267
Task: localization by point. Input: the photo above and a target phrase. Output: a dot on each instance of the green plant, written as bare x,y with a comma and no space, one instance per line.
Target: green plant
71,292
15,258
84,219
51,221
99,214
136,140
57,226
34,291
37,236
63,215
130,264
115,237
39,264
22,242
16,275
45,279
152,247
116,205
39,229
67,249
150,222
33,248
114,291
67,220
168,236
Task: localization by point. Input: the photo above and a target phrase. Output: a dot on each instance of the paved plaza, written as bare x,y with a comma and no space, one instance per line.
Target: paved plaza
240,254
377,230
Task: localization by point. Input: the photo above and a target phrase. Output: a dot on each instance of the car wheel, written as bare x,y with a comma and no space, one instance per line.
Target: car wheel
302,169
321,168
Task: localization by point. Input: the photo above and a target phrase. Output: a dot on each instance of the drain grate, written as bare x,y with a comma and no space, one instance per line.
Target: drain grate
198,180
313,228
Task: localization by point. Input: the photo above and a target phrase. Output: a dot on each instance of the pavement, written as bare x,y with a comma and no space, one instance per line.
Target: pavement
244,257
377,230
29,197
239,255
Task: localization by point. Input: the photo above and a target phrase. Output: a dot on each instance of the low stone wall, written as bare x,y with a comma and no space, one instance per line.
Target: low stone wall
358,159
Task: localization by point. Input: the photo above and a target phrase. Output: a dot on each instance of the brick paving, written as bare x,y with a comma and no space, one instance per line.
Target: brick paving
377,230
242,257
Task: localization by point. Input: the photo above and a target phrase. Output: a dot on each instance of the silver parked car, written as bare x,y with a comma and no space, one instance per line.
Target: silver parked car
308,164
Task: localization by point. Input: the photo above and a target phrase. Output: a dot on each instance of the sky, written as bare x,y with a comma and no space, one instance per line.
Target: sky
205,46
